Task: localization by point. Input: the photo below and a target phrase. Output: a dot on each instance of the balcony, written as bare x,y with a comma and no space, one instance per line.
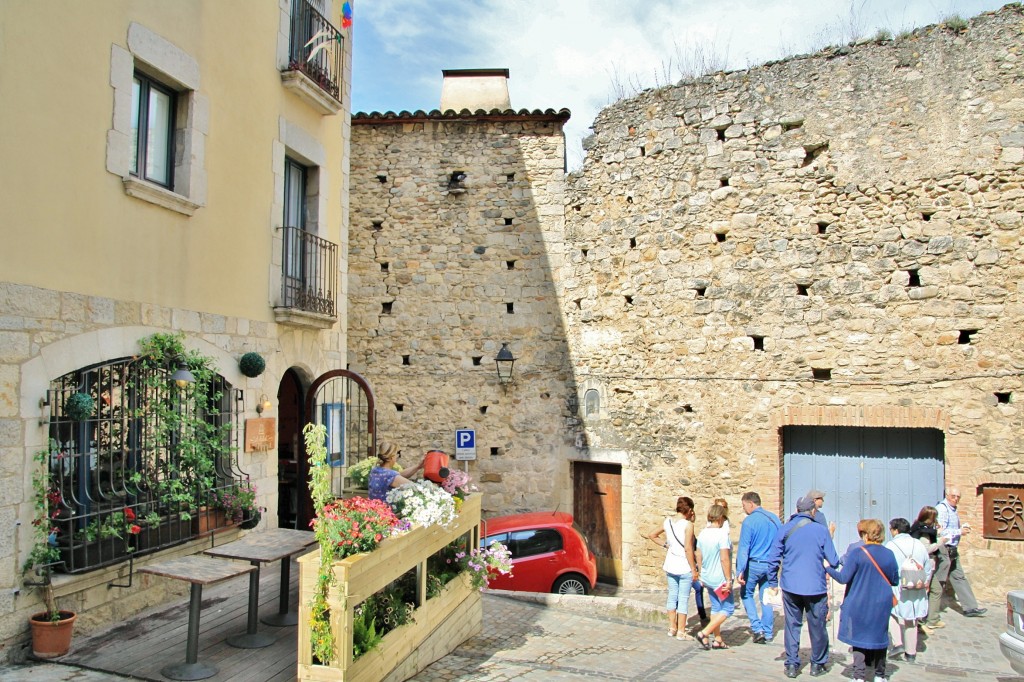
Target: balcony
309,281
316,52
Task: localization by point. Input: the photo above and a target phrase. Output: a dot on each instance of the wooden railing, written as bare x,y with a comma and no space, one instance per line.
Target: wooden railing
441,623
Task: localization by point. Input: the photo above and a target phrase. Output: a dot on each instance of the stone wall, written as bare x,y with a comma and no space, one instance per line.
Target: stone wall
46,334
442,273
731,242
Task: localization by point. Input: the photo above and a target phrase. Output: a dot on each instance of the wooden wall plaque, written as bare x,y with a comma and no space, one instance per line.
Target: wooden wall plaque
260,434
1004,512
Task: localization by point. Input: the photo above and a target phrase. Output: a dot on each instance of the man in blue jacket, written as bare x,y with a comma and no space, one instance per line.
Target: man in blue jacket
801,546
757,535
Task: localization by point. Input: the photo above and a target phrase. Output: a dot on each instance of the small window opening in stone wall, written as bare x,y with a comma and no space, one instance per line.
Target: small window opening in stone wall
385,307
377,224
701,291
495,452
510,177
584,252
384,267
629,199
1003,397
721,133
510,308
477,359
758,342
577,207
914,278
510,265
632,242
812,152
405,359
821,373
643,150
723,181
791,125
382,178
685,408
579,303
399,407
927,214
801,290
591,403
508,221
629,300
823,227
720,237
966,336
483,409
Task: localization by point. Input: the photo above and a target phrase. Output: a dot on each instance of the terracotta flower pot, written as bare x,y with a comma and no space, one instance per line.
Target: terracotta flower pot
51,639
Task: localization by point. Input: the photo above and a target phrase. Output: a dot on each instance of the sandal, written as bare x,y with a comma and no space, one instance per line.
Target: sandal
719,644
683,637
671,632
702,639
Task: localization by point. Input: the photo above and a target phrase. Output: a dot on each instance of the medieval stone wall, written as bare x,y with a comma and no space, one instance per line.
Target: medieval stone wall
731,243
442,273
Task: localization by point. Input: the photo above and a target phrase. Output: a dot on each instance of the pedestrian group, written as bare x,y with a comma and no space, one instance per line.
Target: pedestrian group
892,589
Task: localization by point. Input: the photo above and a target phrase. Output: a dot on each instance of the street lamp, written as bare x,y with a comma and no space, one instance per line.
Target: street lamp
504,361
182,377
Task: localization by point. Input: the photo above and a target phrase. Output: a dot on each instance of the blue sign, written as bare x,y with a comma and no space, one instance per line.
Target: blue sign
465,445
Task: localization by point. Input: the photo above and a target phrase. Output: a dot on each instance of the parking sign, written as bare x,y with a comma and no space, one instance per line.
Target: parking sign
465,445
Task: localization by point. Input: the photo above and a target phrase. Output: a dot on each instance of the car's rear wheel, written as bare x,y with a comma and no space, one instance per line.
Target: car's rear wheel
571,583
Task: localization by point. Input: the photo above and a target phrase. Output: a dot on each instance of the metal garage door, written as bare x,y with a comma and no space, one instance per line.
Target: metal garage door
878,473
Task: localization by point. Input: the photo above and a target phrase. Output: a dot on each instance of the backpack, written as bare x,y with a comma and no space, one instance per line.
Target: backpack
912,574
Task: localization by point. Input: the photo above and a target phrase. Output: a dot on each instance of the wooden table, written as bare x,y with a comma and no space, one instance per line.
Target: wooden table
198,571
262,547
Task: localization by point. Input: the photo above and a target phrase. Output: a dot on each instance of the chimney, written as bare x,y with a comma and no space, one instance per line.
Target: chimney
474,89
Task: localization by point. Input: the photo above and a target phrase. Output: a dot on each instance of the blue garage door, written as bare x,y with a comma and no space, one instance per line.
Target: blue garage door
878,473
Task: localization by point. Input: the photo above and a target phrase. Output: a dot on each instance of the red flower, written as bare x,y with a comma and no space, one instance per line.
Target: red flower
129,515
135,530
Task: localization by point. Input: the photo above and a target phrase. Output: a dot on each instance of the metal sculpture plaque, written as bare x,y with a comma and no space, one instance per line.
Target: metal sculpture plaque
1004,512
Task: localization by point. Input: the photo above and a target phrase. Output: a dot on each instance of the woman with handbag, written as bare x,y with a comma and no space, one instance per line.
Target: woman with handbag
676,536
869,574
912,592
714,550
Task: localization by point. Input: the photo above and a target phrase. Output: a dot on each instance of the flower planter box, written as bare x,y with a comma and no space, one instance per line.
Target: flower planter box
206,521
171,531
89,555
441,623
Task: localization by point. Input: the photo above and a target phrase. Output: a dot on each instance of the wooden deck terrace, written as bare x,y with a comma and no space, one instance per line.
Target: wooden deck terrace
155,638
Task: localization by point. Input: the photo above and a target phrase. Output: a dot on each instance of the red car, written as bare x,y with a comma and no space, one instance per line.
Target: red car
549,553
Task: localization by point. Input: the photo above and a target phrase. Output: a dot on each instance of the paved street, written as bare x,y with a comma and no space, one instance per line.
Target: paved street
544,637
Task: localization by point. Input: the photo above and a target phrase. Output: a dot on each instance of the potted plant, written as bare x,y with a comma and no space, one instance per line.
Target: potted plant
238,502
53,627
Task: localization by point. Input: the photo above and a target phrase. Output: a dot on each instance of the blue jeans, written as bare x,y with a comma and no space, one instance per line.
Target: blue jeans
698,598
678,592
816,608
756,581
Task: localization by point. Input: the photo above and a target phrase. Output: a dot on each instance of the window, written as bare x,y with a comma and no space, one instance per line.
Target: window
152,131
157,141
531,542
125,475
591,403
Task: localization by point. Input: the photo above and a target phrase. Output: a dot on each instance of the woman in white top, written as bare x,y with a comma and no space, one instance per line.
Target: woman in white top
676,535
714,550
912,607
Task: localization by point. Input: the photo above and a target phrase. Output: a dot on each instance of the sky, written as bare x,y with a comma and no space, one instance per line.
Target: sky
585,54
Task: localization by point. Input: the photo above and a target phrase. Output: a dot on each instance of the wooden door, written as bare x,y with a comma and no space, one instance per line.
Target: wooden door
597,510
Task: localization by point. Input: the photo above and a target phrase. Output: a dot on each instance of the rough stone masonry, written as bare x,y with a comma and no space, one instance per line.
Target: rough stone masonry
829,240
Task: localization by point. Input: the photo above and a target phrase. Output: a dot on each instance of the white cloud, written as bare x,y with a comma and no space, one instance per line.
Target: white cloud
579,53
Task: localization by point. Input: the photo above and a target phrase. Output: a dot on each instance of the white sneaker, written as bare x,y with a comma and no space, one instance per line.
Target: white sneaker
881,679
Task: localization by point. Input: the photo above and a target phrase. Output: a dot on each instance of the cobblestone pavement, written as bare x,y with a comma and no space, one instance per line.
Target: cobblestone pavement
621,636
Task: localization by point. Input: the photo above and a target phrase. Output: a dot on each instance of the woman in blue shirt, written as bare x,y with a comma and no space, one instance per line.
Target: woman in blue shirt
869,572
384,476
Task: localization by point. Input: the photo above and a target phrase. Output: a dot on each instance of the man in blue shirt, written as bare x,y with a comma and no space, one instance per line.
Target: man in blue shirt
801,546
757,535
951,529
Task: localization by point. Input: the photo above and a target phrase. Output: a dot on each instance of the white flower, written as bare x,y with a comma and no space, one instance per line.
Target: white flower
423,503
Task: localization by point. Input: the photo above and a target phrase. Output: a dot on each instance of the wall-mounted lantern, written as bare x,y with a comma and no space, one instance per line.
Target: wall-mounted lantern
182,377
504,361
263,404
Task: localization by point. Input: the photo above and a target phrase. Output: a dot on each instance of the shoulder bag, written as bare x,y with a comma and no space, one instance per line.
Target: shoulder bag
895,601
773,597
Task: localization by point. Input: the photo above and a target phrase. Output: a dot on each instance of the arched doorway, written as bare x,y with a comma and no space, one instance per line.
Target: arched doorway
290,418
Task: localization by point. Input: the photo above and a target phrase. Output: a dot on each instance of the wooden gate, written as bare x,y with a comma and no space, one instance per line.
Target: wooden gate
597,510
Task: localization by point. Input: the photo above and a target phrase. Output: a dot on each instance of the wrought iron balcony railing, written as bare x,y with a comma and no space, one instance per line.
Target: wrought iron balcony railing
316,48
309,276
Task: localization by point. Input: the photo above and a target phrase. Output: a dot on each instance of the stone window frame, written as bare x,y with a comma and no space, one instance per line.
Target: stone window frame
584,389
295,143
158,58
